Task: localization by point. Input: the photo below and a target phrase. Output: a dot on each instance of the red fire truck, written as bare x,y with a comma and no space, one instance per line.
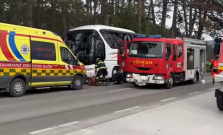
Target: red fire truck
155,60
218,50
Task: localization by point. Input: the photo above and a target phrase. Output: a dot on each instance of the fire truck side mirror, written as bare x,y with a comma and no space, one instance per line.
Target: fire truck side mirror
217,46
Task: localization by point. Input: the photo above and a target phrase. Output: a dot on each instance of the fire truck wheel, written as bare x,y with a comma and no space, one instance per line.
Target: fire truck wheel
170,82
114,71
219,101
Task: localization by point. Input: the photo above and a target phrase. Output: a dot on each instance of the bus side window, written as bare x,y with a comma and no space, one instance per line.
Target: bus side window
168,51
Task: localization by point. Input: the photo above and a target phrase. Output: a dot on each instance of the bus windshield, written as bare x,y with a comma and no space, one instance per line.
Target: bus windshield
114,37
83,45
146,49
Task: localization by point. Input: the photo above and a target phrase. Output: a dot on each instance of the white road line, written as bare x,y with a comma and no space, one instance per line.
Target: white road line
54,127
120,90
68,124
211,89
128,109
42,130
194,92
167,99
82,131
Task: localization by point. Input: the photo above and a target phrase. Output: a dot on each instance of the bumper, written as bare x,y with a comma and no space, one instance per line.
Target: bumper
218,82
143,80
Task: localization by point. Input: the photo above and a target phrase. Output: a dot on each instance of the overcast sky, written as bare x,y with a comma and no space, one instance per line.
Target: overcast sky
169,23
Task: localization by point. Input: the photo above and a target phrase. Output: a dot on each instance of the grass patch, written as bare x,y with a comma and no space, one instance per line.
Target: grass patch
208,66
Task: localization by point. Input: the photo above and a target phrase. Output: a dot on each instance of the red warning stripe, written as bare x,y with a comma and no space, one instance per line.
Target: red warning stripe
4,46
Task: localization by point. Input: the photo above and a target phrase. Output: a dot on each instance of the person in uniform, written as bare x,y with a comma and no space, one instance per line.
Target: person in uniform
102,69
214,67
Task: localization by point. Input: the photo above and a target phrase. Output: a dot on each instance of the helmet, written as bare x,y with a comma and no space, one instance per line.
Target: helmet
98,59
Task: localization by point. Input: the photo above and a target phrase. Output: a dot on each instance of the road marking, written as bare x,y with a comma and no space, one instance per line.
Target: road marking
68,124
211,89
128,109
42,130
54,127
167,99
82,131
120,90
194,93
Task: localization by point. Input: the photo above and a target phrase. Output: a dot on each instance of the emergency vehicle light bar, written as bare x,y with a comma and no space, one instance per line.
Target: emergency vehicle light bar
141,36
155,36
148,36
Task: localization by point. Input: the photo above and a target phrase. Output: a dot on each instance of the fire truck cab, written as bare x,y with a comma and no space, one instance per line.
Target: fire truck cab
156,60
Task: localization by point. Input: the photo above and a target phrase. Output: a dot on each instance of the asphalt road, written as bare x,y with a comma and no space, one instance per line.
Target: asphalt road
190,116
39,111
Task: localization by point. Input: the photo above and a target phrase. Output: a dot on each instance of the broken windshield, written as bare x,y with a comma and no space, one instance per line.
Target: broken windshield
146,49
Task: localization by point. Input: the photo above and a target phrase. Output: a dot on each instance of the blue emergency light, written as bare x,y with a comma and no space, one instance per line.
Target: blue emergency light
141,36
155,36
148,36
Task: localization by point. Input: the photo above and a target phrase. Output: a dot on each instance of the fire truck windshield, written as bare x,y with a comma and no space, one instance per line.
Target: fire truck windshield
146,49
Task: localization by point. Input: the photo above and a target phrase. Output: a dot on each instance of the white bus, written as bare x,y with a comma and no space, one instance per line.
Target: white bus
97,41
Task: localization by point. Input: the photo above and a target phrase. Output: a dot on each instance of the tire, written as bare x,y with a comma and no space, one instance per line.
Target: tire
17,88
170,82
77,83
113,76
219,101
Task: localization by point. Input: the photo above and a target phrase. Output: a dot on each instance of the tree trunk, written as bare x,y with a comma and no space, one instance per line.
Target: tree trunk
174,22
139,15
164,14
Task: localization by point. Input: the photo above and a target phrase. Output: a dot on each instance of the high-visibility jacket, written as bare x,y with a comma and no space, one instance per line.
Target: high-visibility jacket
214,69
100,64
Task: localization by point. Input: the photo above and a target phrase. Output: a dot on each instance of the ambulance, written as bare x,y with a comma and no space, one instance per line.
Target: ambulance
33,58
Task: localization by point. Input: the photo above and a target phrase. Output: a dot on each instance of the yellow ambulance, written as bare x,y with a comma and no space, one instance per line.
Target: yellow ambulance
34,58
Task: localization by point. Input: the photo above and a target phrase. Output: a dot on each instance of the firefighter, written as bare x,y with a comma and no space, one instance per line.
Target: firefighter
214,67
102,68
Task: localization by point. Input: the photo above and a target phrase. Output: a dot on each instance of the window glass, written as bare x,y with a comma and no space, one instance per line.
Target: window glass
43,51
180,50
146,49
113,38
168,51
174,52
67,57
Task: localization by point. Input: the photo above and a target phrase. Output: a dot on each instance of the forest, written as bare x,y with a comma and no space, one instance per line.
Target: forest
190,18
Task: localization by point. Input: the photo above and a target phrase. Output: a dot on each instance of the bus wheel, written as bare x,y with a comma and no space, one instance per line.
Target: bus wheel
219,101
17,88
170,82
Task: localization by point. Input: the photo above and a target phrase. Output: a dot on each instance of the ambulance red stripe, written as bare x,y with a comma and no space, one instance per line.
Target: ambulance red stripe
4,46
